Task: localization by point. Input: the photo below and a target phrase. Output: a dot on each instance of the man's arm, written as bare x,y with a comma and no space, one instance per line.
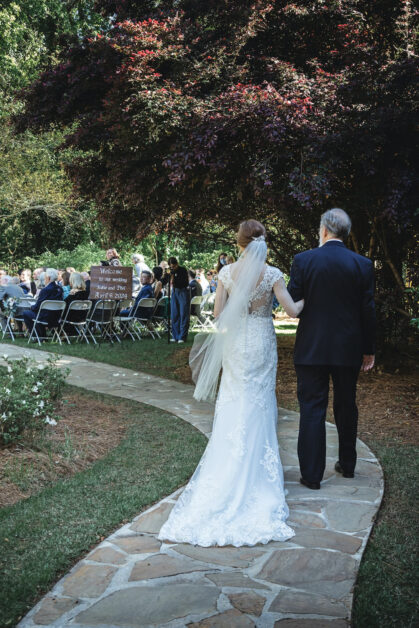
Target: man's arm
368,318
296,285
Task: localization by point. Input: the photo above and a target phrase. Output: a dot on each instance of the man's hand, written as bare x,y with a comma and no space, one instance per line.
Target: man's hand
367,362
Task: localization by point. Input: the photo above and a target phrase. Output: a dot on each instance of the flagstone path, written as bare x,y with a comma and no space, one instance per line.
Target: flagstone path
131,579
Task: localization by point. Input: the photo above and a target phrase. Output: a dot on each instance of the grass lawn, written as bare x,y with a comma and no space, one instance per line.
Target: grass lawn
387,583
157,357
385,590
43,536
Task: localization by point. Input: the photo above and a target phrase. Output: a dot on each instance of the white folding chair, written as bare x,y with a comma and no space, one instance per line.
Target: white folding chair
160,315
100,318
13,321
196,303
207,311
79,327
144,323
125,322
46,306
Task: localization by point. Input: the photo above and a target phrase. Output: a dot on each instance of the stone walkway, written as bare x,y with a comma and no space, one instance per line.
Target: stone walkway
131,579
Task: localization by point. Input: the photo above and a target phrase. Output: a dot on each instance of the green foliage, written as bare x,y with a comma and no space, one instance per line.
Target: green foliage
29,394
415,293
30,35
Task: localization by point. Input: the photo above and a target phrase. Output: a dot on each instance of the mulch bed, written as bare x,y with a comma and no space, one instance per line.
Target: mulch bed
88,430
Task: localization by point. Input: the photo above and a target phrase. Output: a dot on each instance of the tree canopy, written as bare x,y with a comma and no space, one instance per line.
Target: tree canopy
189,114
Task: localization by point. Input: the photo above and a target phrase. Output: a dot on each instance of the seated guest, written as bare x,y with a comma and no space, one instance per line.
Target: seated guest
157,283
222,261
200,277
77,292
139,264
24,283
31,281
52,291
40,283
146,292
212,281
65,283
8,290
196,291
194,286
86,278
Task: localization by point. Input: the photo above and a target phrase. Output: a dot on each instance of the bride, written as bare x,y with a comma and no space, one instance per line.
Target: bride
236,495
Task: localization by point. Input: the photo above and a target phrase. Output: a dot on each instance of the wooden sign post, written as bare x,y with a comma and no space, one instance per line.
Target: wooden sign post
110,282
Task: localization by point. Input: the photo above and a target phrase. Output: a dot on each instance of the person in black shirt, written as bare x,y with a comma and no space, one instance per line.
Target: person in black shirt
179,301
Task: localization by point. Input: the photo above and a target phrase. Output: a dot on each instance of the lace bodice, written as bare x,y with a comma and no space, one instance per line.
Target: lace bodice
260,303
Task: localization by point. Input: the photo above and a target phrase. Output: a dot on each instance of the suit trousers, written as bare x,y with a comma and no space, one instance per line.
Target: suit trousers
313,397
180,313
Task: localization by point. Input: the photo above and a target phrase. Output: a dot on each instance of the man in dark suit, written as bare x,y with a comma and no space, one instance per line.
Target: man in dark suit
51,292
335,337
146,292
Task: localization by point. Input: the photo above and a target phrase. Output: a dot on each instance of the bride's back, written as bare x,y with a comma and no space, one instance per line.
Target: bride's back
261,297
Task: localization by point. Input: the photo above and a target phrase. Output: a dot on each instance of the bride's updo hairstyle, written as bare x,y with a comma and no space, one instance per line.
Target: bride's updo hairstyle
248,230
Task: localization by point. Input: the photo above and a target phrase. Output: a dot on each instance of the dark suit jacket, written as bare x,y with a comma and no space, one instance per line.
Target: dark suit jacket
337,324
146,292
51,292
195,288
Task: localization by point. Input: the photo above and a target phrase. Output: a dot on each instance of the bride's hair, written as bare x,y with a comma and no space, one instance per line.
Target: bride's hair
248,230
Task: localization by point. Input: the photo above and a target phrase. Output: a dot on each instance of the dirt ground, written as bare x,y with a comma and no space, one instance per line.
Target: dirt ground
88,429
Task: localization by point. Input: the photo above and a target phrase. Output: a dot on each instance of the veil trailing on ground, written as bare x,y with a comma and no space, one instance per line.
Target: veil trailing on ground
208,349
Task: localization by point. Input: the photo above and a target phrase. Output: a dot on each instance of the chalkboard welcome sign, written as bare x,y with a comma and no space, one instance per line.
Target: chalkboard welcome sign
110,282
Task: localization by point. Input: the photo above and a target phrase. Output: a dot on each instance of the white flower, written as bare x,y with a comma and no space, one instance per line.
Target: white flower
6,391
5,356
38,383
9,369
41,403
29,370
4,416
35,389
41,367
50,421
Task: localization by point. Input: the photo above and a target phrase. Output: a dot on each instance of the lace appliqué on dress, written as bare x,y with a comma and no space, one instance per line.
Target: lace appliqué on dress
271,463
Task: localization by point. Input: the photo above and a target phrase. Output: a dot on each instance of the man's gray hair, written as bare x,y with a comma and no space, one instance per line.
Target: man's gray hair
336,222
138,258
5,280
52,273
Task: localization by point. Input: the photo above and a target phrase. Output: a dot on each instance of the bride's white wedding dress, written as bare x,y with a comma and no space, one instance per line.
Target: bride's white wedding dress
236,495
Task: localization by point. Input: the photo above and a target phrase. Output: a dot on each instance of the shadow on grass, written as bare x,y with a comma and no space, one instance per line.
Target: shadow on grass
43,536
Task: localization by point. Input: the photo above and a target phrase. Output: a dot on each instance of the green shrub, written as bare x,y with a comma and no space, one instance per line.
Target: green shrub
29,394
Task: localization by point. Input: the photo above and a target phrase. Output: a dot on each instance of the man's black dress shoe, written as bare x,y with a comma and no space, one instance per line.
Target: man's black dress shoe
345,474
313,485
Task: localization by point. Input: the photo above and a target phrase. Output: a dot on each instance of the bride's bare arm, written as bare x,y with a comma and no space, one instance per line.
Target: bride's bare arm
220,299
292,308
